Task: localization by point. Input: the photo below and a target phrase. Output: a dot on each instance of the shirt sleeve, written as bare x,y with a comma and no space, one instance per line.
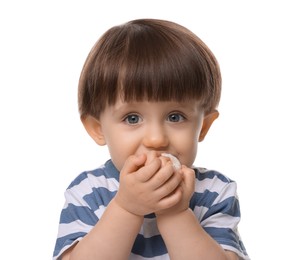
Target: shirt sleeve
76,220
217,208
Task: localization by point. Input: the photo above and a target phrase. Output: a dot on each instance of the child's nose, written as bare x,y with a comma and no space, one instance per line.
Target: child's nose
155,138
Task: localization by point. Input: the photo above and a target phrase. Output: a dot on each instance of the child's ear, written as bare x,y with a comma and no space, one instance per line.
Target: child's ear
207,122
94,129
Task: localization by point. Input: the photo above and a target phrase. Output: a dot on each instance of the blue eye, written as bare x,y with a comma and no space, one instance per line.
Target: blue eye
175,117
132,119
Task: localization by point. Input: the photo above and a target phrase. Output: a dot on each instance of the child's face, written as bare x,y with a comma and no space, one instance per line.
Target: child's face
140,127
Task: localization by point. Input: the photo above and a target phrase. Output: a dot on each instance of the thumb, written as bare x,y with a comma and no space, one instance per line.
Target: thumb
188,178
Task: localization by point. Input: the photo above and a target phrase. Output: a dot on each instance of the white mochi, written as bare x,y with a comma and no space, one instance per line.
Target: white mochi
176,163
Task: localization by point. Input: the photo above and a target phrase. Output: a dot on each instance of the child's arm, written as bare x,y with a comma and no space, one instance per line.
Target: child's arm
183,234
186,239
111,238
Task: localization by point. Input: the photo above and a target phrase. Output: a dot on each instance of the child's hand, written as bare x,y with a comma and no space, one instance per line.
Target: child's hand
187,189
148,184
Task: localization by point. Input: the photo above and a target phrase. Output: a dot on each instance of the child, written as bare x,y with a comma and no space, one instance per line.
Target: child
149,90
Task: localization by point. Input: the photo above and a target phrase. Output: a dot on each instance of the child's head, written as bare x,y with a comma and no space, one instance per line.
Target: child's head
149,85
152,60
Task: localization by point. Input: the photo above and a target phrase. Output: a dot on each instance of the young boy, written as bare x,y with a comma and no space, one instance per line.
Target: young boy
149,90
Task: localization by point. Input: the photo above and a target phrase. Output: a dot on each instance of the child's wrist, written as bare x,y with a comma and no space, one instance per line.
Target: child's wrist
169,215
125,210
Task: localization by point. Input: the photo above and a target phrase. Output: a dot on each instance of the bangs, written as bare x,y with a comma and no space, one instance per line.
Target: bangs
158,70
155,61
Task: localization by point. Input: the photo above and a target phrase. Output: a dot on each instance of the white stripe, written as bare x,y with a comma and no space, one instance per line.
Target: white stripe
149,228
109,183
99,212
230,190
233,249
92,181
65,248
220,220
199,212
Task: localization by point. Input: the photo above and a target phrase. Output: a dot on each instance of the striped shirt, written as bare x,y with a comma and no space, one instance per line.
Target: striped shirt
214,203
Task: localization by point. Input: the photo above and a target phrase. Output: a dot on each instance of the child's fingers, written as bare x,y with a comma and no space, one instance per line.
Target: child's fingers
165,173
146,172
188,178
151,155
171,199
164,160
133,163
169,185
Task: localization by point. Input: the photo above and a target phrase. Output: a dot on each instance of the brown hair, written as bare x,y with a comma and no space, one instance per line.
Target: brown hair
148,59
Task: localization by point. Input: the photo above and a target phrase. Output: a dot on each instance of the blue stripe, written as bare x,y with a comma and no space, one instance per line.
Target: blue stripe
225,236
78,213
84,175
204,199
149,247
66,240
150,216
99,197
111,171
229,206
201,175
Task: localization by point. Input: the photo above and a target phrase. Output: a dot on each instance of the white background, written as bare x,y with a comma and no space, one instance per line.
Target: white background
258,140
